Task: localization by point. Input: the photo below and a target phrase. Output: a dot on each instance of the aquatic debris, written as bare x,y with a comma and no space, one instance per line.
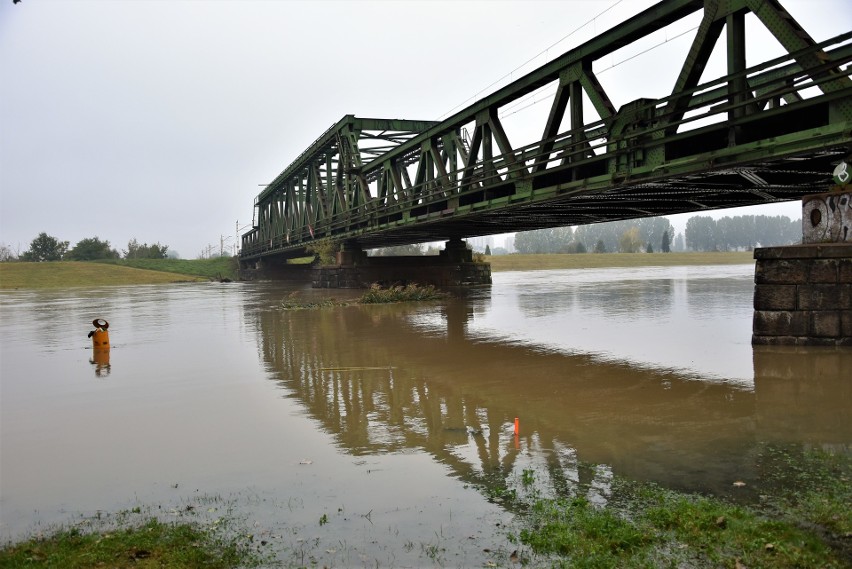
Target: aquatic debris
306,461
412,292
375,295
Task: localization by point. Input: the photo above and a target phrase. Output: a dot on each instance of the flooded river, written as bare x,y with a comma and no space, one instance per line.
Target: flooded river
377,435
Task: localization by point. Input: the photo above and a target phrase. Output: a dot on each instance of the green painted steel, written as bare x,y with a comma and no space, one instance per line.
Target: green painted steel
772,132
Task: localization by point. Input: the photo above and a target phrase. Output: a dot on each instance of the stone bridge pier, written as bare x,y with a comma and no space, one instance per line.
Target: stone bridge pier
454,266
803,293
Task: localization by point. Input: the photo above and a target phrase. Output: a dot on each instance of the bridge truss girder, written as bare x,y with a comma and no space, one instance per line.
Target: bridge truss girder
758,135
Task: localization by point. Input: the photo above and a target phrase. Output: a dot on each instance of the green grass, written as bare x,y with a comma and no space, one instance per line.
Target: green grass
604,260
62,274
376,294
803,520
218,268
408,293
148,545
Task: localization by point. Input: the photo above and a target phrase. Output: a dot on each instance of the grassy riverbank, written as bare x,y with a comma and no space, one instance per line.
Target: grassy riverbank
604,260
62,274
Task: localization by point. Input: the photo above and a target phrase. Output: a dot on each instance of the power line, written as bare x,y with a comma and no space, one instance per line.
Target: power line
544,51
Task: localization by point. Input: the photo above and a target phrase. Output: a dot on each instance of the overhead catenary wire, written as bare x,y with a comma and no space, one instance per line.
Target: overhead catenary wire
542,52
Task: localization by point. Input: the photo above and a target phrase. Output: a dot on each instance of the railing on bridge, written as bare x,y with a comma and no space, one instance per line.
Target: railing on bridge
767,133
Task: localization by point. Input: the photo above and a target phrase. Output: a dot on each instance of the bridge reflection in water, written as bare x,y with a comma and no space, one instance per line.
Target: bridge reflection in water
382,379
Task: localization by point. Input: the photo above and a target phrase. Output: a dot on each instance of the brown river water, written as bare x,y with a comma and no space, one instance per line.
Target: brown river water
377,435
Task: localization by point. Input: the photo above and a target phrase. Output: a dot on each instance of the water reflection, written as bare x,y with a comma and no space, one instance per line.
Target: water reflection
100,359
804,395
381,381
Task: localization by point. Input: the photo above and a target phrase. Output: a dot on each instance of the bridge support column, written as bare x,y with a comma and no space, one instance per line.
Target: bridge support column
454,266
351,254
803,293
456,251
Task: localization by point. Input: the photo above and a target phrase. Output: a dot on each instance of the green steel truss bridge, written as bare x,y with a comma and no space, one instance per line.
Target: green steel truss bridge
767,133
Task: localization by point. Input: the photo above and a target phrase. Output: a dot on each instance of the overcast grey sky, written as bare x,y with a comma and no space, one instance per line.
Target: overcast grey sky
158,120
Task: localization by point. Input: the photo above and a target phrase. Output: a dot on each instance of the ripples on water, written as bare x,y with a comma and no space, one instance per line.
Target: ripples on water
389,420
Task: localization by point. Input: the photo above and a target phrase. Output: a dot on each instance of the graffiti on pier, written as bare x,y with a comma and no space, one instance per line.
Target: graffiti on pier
827,218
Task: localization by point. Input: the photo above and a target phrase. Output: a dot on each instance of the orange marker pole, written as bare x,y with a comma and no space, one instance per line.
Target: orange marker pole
517,430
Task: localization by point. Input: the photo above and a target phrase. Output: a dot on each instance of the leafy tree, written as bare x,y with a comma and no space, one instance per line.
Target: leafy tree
649,248
665,246
45,248
630,241
701,233
487,249
600,246
90,249
549,240
324,250
145,251
651,230
576,247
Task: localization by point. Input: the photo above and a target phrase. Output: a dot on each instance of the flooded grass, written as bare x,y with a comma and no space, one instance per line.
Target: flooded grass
801,519
408,293
376,294
151,543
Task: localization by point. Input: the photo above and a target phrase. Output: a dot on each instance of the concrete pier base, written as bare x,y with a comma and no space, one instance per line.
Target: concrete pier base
275,271
354,269
803,295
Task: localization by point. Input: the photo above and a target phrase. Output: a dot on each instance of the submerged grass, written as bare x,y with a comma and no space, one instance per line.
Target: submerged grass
407,293
150,544
802,520
375,295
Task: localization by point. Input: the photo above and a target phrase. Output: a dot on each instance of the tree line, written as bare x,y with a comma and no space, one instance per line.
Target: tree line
48,248
650,234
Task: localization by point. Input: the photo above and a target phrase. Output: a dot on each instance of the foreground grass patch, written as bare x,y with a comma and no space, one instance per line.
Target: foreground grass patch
801,520
152,544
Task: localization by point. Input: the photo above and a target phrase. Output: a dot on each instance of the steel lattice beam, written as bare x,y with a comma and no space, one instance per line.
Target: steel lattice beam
755,135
